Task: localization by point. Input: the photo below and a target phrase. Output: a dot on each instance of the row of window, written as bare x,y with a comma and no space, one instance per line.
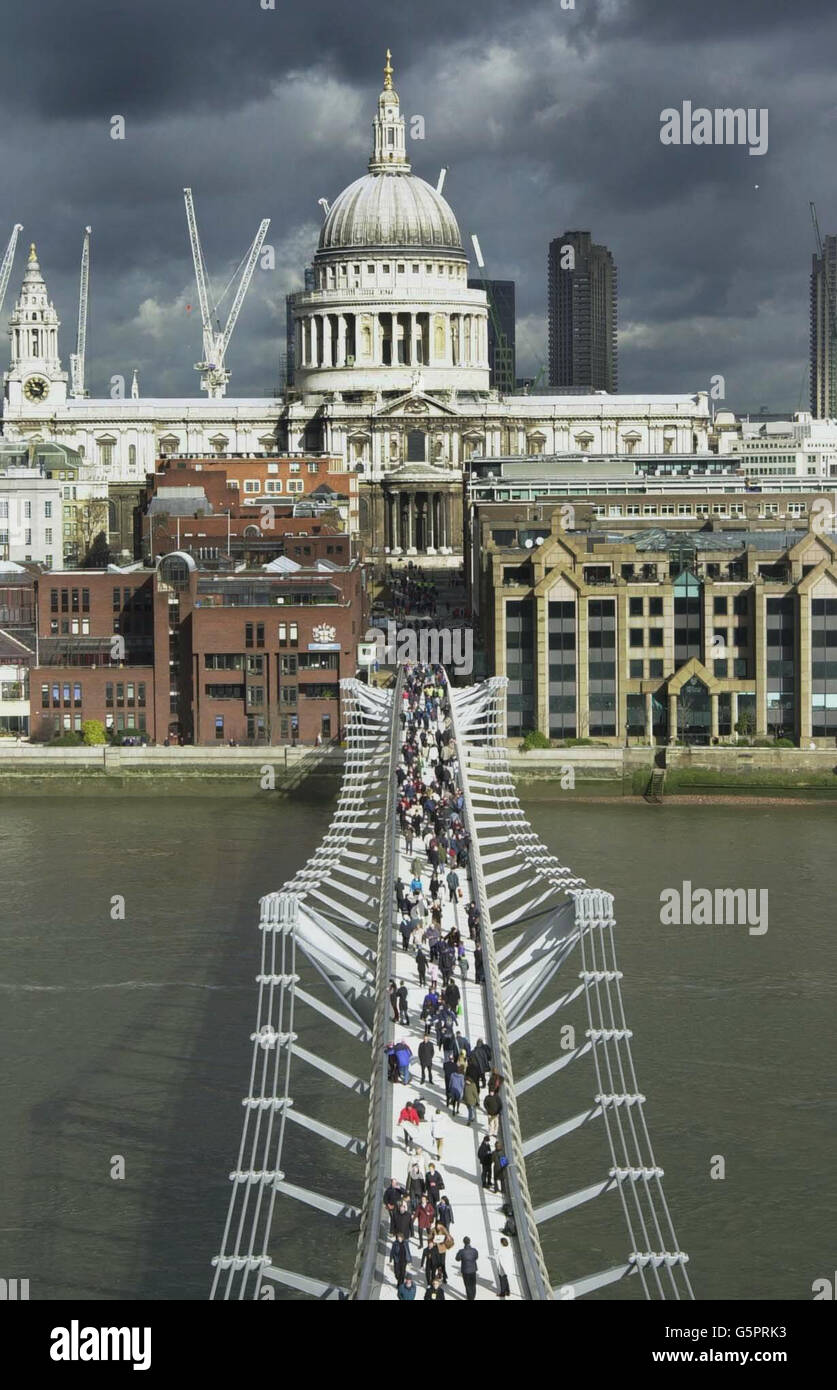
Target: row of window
27,509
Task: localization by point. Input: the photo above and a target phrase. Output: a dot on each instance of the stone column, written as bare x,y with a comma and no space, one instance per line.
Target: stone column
412,356
649,717
672,718
733,711
431,527
341,340
326,330
410,506
713,715
396,515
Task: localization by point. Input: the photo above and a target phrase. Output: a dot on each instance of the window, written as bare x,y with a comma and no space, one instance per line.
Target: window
296,468
655,636
85,627
637,637
109,695
720,604
248,634
294,634
655,607
635,670
47,510
76,695
251,485
48,535
219,726
27,510
283,634
288,665
655,669
636,607
53,600
120,695
255,665
259,634
45,697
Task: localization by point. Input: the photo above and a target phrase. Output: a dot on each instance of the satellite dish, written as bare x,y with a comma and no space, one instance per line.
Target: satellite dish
529,543
539,540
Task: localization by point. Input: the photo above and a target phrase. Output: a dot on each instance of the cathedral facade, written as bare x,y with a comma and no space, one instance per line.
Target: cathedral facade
392,373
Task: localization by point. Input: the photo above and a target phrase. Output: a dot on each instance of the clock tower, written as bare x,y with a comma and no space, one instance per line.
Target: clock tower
34,377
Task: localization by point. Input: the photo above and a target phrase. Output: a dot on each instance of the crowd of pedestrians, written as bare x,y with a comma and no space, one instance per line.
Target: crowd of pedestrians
441,932
414,593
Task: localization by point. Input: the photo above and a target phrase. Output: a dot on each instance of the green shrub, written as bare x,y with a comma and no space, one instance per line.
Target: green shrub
785,743
66,740
533,738
93,733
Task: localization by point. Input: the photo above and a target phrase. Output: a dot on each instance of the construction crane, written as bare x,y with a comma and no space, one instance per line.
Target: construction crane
214,374
831,309
77,357
503,368
6,267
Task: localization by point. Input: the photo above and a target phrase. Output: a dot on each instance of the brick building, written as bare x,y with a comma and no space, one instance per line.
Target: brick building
263,651
198,655
102,653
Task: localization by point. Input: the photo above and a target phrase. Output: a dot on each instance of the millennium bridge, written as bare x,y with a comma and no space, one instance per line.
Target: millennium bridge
321,1141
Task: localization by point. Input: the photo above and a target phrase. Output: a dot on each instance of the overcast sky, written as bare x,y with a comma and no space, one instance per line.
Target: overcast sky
547,118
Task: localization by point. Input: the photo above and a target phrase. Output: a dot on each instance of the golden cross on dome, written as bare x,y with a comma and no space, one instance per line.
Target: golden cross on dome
33,255
388,73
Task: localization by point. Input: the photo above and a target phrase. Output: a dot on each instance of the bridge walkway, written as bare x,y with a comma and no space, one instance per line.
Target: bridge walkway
477,1212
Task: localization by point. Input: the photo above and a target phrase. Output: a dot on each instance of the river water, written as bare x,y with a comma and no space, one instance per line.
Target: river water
130,1038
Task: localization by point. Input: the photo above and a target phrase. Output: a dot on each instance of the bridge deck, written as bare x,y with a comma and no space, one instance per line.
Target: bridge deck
477,1212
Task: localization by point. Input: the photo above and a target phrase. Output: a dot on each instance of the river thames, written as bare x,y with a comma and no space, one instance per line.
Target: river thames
131,1037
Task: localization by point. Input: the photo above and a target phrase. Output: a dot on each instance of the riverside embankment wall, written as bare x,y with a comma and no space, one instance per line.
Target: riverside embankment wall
582,772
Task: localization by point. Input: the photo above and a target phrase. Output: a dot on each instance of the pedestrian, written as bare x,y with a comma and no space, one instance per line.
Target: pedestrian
403,1054
492,1106
436,1291
433,1263
392,1196
421,966
436,1133
467,1258
409,1116
453,884
457,1088
425,1219
407,1288
393,1000
400,1256
498,1163
415,1186
444,1212
402,1221
426,1052
471,1096
503,1260
433,1184
403,1013
484,1155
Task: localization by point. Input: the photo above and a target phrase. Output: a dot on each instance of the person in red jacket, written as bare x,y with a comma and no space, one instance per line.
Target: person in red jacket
425,1219
409,1116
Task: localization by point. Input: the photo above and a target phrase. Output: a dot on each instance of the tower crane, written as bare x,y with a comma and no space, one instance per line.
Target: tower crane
77,357
502,363
214,373
8,258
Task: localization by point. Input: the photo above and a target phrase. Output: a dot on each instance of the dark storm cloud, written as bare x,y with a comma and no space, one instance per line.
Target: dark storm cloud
547,119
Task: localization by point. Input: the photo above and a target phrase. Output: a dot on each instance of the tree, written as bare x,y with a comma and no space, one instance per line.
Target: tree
93,732
89,540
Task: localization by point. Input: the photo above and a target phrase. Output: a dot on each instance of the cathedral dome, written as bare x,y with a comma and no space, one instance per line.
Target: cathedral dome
383,210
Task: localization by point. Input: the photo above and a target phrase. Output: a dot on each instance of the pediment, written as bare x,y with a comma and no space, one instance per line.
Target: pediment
415,403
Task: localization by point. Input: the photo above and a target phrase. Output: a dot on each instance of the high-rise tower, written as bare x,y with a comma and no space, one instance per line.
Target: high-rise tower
582,315
824,332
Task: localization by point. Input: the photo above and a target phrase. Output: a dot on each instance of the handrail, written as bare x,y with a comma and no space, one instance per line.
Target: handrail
378,1118
534,1265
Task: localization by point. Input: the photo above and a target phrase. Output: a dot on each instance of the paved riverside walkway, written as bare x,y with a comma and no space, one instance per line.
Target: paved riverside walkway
477,1212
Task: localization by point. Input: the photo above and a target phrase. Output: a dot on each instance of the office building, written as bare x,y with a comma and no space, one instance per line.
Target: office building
582,315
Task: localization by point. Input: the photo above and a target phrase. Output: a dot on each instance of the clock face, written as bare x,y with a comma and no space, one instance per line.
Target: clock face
36,388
